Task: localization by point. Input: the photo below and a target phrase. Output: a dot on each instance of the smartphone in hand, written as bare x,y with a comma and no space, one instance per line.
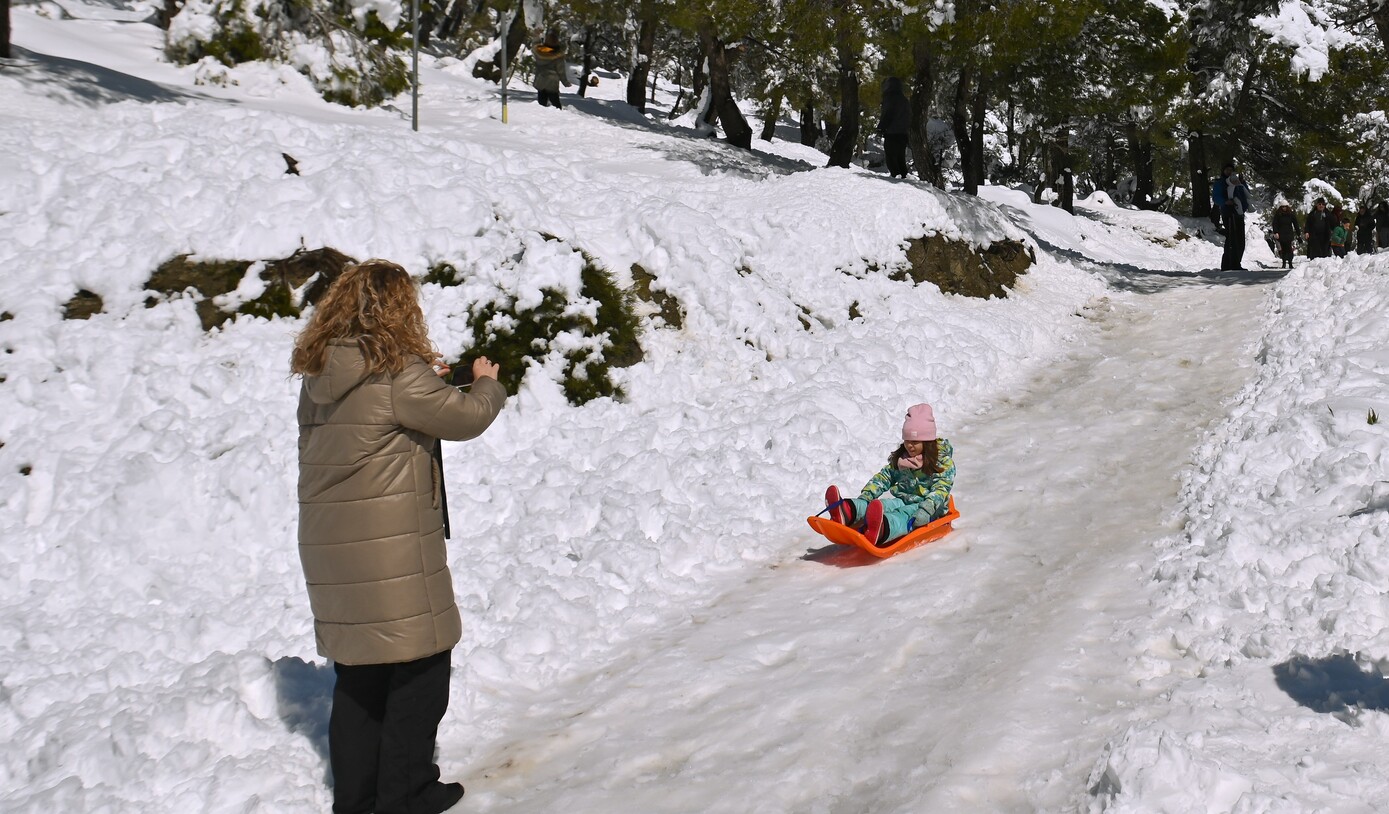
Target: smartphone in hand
462,375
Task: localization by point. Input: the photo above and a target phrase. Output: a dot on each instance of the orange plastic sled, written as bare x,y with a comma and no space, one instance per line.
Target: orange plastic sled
843,535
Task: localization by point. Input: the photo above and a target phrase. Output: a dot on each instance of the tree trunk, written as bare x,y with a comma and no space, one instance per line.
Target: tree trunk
588,62
1234,141
515,35
5,32
452,20
1109,181
646,45
1200,175
978,106
919,130
846,139
699,77
959,122
1011,131
167,10
810,129
1381,17
1028,139
1141,149
675,110
429,18
709,113
771,113
735,128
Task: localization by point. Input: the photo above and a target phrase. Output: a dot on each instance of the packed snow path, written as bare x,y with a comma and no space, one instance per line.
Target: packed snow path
980,673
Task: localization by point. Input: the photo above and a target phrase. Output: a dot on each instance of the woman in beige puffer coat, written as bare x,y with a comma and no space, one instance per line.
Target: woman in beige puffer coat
371,536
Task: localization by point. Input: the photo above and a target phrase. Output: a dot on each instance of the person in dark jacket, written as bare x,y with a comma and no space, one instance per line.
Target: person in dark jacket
1365,229
894,122
1316,230
1284,228
1219,191
371,532
1236,205
551,68
1382,224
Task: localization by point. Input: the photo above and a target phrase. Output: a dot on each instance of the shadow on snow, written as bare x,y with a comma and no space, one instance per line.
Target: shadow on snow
75,80
1338,685
304,694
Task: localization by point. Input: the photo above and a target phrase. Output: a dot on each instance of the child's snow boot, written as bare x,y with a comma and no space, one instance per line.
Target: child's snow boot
876,529
841,511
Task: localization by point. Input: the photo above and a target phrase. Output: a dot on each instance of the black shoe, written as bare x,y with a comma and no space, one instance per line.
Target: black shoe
442,796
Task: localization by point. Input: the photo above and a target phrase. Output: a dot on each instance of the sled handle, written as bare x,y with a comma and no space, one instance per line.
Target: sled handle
832,506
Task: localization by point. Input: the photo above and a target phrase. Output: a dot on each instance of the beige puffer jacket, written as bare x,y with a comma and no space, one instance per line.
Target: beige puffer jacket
371,533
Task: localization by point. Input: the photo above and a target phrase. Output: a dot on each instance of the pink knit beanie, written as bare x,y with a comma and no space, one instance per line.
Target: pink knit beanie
920,425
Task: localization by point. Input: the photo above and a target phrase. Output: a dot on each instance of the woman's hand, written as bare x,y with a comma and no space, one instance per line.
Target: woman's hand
441,368
484,368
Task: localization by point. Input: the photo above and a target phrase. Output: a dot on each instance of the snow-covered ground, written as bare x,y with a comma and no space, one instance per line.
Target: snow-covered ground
1163,594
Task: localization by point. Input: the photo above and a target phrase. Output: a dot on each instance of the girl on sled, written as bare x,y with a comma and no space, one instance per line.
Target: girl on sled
911,491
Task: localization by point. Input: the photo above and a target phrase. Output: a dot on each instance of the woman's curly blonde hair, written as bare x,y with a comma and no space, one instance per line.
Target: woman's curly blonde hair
376,303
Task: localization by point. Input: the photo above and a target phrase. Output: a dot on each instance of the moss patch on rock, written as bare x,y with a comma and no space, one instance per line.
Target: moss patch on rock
210,278
443,274
959,268
311,270
83,305
316,268
669,309
590,346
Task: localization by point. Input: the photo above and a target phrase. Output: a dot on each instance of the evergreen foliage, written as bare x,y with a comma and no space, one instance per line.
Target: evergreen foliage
589,334
1136,97
350,54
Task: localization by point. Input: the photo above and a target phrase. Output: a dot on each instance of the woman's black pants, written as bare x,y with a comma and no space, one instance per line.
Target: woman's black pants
895,148
381,736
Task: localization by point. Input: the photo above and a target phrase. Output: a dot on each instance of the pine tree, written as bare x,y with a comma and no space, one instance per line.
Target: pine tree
722,28
358,50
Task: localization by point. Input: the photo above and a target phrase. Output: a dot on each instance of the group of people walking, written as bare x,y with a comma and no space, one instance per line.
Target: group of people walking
1330,232
1325,232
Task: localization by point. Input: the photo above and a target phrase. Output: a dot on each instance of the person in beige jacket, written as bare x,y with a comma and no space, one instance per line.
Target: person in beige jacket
371,532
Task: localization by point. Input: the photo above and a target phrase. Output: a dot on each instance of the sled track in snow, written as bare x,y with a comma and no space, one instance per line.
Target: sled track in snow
983,672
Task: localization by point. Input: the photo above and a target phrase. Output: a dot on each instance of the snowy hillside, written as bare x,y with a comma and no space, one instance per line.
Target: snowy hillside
638,606
1276,594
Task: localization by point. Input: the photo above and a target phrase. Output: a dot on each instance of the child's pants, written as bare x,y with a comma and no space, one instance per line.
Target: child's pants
897,515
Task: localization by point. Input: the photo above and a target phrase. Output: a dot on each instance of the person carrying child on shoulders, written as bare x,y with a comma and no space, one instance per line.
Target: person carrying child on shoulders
911,491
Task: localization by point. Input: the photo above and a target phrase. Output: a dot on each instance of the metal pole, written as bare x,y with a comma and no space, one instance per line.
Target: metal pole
415,65
506,35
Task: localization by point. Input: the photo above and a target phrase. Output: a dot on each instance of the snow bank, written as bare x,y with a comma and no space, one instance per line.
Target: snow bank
1275,595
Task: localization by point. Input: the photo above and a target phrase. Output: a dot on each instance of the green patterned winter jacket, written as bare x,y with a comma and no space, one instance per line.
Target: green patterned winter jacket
929,493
